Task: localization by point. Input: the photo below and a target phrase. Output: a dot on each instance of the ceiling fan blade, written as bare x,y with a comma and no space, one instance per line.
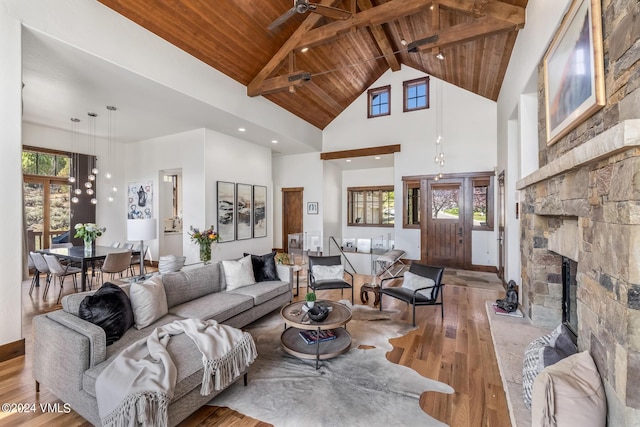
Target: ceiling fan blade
282,18
331,12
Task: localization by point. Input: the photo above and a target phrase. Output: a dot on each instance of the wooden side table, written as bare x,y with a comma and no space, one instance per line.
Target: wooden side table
364,293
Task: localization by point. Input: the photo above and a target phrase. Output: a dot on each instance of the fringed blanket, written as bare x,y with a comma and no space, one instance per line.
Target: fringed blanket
138,385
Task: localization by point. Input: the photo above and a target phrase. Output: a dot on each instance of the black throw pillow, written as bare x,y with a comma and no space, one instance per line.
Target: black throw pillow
110,308
264,267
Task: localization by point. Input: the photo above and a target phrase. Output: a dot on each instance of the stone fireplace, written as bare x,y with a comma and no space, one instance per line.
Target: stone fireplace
585,205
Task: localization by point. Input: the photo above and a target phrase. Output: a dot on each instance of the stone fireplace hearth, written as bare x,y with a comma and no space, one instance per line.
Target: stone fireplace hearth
585,205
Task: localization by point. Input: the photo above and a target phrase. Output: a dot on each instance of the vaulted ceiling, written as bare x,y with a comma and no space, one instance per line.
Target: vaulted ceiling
345,56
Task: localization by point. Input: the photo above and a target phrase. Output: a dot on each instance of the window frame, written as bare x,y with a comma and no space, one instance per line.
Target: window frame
376,91
380,189
405,89
411,185
483,181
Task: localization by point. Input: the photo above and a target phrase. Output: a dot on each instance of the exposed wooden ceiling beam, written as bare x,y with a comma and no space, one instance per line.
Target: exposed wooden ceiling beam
310,21
276,84
480,27
381,39
396,9
361,152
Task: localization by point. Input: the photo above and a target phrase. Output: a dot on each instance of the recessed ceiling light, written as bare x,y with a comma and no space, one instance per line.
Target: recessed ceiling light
241,129
403,42
377,157
304,49
348,160
274,141
440,56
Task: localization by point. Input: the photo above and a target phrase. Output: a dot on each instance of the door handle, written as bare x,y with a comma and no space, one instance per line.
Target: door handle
460,232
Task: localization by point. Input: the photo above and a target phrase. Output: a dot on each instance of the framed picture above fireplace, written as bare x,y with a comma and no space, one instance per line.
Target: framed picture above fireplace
573,70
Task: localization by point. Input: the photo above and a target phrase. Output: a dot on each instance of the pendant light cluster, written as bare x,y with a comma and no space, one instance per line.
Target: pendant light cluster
73,173
111,115
91,165
439,157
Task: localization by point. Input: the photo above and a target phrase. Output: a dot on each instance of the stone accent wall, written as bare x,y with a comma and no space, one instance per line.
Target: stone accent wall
601,196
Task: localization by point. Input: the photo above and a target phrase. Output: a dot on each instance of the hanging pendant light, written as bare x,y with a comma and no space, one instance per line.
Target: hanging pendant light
111,115
439,157
73,172
92,169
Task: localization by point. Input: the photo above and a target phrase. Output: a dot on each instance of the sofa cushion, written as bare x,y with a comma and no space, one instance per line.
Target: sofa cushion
109,307
569,393
238,273
148,301
185,355
183,286
219,306
264,267
263,291
71,303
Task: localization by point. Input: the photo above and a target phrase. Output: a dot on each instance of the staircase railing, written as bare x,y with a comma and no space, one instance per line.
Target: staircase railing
332,239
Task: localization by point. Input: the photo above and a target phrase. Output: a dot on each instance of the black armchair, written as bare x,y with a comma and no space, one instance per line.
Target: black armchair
418,296
316,283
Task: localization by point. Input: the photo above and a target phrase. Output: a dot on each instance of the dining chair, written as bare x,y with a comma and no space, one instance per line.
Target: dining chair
424,289
115,263
115,244
60,272
40,266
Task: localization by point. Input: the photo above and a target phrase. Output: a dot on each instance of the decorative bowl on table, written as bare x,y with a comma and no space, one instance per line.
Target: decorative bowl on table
318,313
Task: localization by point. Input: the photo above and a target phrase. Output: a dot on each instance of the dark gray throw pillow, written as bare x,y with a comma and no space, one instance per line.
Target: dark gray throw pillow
110,308
264,267
559,348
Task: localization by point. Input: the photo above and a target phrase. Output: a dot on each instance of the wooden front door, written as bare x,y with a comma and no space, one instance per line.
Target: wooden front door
291,214
445,213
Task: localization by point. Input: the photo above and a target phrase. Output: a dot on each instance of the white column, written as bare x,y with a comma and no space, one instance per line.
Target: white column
10,170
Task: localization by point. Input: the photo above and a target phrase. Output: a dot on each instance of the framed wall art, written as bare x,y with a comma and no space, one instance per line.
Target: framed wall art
226,210
312,208
243,211
259,211
573,70
140,200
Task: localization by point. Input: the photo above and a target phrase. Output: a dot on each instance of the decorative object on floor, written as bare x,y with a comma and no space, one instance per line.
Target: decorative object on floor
573,70
259,211
140,200
510,302
364,293
204,239
243,209
312,208
226,210
279,389
310,298
141,230
88,232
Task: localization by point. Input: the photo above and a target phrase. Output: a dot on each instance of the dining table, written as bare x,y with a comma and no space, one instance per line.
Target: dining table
85,258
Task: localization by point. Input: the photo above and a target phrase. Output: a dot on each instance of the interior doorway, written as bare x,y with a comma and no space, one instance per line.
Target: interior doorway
292,214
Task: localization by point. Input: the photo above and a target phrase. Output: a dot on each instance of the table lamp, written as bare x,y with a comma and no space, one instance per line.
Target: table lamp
142,229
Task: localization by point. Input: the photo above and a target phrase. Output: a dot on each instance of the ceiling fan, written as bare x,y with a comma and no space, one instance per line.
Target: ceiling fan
303,6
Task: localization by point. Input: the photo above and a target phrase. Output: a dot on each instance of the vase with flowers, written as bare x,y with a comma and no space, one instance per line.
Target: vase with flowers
88,232
204,238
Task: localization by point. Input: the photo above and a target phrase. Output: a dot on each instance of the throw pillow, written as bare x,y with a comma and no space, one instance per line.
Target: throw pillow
170,263
328,272
530,366
560,346
148,301
109,307
264,267
413,281
238,273
569,393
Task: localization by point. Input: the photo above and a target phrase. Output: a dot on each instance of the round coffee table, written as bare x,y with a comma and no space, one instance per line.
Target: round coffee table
337,320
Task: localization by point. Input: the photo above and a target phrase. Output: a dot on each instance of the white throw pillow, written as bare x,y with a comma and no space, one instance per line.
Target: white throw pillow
413,281
238,273
148,301
327,272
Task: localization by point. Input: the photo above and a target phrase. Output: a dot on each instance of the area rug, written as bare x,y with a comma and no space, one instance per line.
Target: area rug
359,388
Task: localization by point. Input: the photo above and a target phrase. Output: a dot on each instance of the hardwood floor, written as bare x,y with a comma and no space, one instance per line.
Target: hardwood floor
457,350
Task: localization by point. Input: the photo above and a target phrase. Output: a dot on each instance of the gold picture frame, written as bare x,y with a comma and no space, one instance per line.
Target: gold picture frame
574,70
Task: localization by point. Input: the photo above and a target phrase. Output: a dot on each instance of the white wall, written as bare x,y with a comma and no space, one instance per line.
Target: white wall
300,170
10,165
542,20
469,134
333,201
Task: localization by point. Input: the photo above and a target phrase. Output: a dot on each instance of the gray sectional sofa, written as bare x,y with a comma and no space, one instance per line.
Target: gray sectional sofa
69,353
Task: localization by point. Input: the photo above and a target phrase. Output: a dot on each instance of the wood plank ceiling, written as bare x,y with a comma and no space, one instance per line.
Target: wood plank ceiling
345,57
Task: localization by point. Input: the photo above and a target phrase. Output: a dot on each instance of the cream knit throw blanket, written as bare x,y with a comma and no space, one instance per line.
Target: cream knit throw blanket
138,385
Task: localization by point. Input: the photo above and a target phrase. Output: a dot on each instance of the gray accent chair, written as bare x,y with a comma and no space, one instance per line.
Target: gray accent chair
61,271
319,285
413,297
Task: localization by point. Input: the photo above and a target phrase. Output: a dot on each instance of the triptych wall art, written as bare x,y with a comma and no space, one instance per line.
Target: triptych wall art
242,211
